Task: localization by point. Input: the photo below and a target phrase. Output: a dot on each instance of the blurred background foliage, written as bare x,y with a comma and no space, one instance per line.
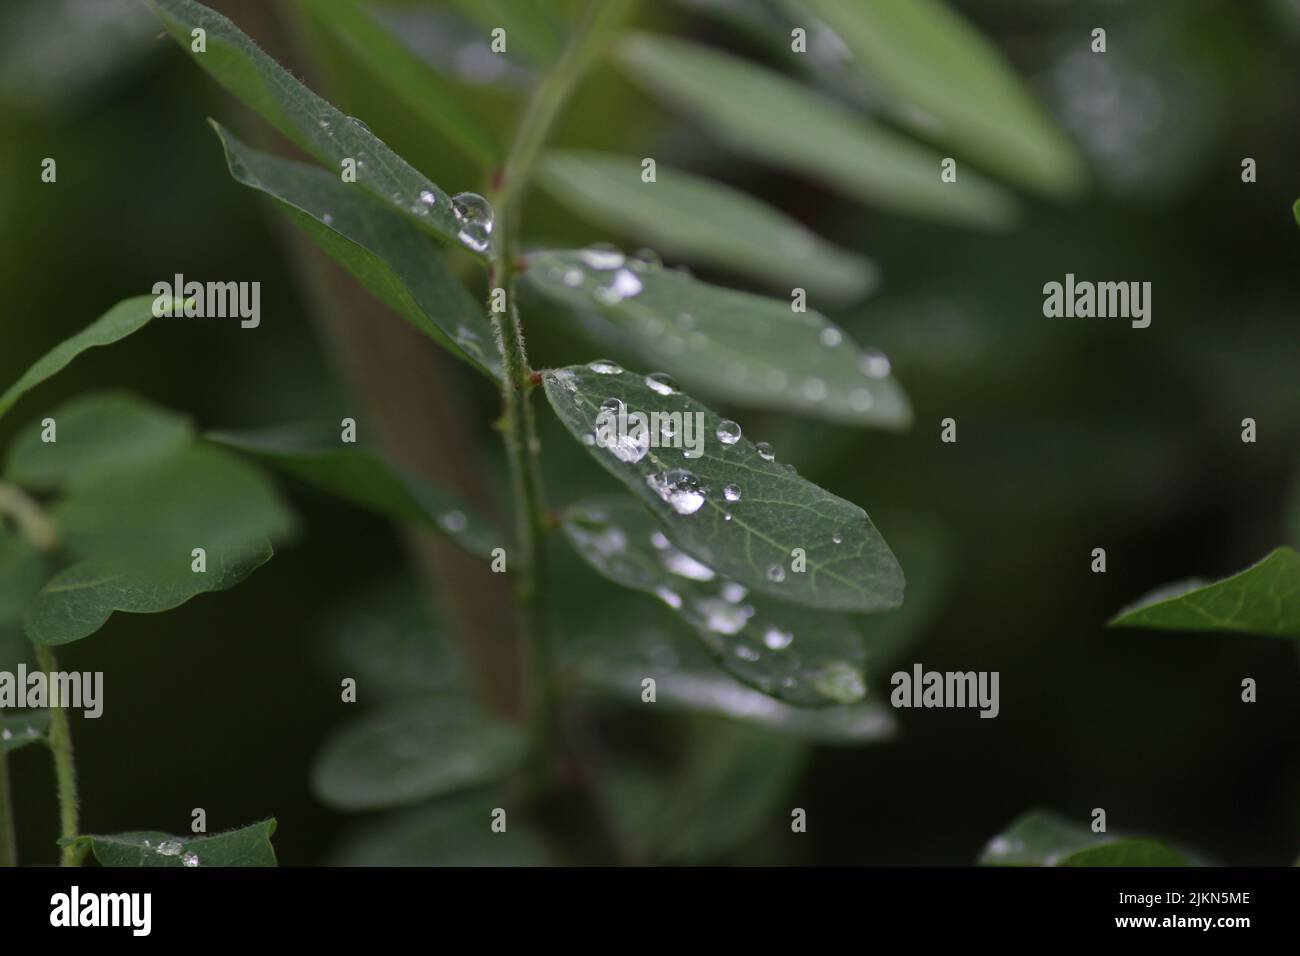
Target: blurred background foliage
1073,434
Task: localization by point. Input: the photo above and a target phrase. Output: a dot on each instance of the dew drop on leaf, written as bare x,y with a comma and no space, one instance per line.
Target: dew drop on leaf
728,432
731,492
776,573
680,488
660,383
765,451
777,639
606,367
475,216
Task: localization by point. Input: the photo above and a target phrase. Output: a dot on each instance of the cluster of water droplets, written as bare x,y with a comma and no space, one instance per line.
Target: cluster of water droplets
174,848
7,734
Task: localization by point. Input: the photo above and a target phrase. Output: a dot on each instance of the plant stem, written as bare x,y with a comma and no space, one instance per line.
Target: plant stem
531,516
8,842
27,517
65,770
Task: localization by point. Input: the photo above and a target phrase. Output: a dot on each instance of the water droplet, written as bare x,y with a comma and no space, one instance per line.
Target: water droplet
6,734
169,848
647,260
669,596
765,451
861,399
745,652
728,432
324,124
327,219
624,285
475,216
777,639
660,541
454,521
731,492
589,439
873,363
683,565
606,367
360,125
837,538
776,573
573,278
733,592
814,389
603,259
428,198
190,859
841,682
681,489
830,337
724,617
660,383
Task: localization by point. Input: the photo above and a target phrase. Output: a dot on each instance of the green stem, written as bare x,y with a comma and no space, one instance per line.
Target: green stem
8,842
531,515
28,517
65,770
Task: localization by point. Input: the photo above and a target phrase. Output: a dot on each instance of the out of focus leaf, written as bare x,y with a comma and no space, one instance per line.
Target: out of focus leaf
928,58
403,73
701,221
765,114
1041,838
117,323
247,846
386,254
1263,599
23,570
19,730
734,508
364,477
535,27
238,64
742,348
412,751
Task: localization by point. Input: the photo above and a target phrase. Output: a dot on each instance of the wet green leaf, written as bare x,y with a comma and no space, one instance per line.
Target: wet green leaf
332,137
363,476
742,348
117,323
1263,599
762,113
1042,838
700,221
385,253
752,540
19,730
403,74
928,59
247,846
412,751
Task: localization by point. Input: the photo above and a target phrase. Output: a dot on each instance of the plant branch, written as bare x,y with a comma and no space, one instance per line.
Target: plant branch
8,842
28,517
518,425
65,770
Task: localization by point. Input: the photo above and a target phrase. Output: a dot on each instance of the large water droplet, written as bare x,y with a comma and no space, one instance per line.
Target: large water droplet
777,639
830,337
475,217
873,363
814,389
169,848
724,617
660,383
573,278
605,367
683,565
681,489
728,432
602,259
765,451
669,597
841,682
624,285
190,859
861,399
731,492
733,592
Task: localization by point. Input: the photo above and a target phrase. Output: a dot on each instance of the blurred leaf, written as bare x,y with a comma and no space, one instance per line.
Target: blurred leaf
533,26
117,323
751,538
98,435
742,348
247,846
23,570
382,250
19,730
452,831
770,116
364,477
701,221
414,750
805,657
686,679
929,59
1263,599
1295,211
238,64
403,74
1042,838
386,639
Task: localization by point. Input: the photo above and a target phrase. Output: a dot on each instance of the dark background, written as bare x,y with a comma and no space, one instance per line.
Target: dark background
1073,434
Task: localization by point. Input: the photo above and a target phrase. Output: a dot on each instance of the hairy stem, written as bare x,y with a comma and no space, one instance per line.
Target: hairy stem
8,842
65,770
531,516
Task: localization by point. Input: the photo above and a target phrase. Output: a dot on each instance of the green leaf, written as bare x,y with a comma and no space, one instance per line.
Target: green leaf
23,570
927,58
238,64
414,750
1295,211
97,435
1263,599
403,73
701,221
1042,838
78,601
387,641
247,846
385,253
19,730
364,477
532,27
453,831
117,323
808,658
742,348
769,116
847,565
